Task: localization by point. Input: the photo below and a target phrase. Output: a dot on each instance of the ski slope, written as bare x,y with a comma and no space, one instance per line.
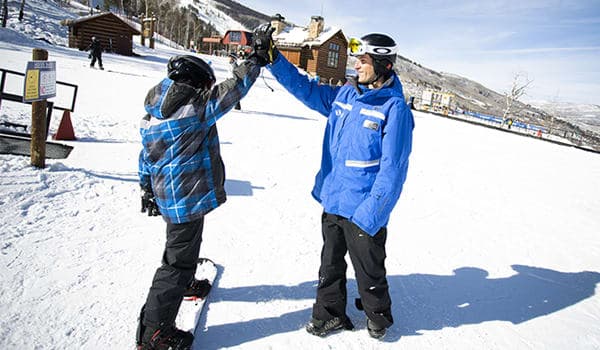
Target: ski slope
493,244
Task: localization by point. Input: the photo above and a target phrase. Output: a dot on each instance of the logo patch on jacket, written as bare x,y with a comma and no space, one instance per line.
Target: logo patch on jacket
369,124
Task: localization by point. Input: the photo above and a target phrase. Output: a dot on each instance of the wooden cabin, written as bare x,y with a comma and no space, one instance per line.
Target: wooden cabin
237,40
212,45
320,51
114,34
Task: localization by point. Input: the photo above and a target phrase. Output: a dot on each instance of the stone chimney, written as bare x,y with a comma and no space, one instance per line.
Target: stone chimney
315,27
278,22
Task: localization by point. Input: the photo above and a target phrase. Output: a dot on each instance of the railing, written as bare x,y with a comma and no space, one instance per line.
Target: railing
573,138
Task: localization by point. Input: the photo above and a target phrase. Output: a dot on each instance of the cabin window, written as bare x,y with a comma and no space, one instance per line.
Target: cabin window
333,55
235,37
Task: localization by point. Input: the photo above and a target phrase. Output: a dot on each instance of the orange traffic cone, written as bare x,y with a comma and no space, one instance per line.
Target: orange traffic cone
65,129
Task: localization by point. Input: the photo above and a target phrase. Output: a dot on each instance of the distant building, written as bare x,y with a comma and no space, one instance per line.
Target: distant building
237,40
212,45
114,34
320,51
436,101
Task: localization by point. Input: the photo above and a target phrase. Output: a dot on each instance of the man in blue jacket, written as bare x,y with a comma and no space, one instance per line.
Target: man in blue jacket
182,178
367,142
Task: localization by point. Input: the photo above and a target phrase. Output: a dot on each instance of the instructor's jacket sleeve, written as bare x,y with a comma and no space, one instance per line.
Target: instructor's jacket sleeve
309,92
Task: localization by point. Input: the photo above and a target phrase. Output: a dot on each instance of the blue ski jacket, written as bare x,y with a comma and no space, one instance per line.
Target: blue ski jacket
181,159
367,143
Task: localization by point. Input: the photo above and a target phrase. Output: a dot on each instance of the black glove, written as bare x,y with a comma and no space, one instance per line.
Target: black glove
149,202
265,51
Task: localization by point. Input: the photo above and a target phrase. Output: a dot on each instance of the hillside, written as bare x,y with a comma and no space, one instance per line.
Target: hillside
579,123
242,14
583,115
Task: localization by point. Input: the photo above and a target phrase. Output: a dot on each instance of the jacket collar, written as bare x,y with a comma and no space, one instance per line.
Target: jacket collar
392,87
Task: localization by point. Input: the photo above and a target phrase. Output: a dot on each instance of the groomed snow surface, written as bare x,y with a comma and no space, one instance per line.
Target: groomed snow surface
493,245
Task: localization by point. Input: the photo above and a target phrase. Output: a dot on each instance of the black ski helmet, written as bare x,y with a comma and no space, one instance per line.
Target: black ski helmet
191,70
382,49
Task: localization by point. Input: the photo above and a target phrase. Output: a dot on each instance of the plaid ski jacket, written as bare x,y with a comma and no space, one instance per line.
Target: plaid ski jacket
181,158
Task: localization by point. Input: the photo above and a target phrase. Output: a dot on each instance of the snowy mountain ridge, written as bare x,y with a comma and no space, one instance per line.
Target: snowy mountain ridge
583,115
209,13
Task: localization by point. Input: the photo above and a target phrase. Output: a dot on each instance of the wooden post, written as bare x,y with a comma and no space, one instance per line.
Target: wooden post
38,122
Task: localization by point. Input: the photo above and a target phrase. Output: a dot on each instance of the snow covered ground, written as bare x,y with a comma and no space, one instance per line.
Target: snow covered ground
493,245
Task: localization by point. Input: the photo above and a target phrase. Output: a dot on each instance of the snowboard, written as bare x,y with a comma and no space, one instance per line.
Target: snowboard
191,308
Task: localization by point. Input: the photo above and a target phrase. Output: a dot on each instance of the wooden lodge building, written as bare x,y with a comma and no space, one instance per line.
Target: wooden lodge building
237,40
320,51
114,34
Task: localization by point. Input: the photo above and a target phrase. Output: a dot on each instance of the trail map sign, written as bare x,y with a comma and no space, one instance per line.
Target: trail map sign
40,81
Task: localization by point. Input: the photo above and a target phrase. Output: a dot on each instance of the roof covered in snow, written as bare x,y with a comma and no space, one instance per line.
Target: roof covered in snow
296,36
78,21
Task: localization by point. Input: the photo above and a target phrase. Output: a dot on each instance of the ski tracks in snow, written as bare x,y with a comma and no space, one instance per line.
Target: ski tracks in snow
51,235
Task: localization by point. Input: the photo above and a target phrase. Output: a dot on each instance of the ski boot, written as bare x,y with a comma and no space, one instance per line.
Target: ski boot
322,328
166,338
374,330
162,338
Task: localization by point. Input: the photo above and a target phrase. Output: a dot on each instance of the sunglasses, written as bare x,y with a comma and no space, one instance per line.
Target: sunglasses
357,47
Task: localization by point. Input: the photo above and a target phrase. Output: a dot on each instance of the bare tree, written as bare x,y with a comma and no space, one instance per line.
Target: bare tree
187,29
519,88
173,21
4,13
21,10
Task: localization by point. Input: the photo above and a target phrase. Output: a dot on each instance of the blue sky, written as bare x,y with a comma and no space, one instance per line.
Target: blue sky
555,43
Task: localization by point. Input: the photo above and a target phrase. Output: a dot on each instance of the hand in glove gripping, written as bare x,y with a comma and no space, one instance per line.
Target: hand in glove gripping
149,202
264,49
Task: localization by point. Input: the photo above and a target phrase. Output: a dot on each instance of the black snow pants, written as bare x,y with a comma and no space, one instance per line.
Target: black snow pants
178,267
367,255
94,58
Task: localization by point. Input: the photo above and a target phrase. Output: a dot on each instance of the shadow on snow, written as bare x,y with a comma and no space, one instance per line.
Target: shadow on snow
420,302
240,188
